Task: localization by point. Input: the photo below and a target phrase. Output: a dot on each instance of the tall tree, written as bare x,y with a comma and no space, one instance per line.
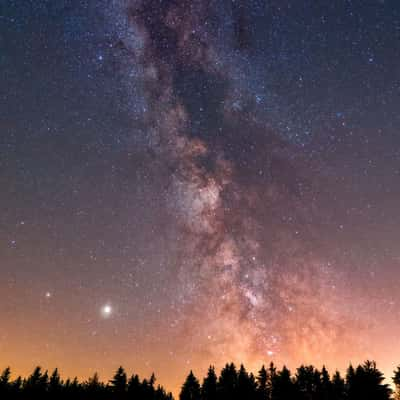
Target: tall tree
396,381
227,382
283,387
306,382
5,386
209,386
263,384
134,387
246,385
366,383
93,387
338,387
35,384
325,390
190,389
55,384
119,383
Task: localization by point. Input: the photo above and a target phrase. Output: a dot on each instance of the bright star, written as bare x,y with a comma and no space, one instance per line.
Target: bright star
106,311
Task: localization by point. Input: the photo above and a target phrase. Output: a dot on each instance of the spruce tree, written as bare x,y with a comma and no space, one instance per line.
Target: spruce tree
396,381
190,389
262,384
366,383
134,387
119,382
283,387
209,387
5,382
246,386
34,384
338,387
325,392
227,383
55,384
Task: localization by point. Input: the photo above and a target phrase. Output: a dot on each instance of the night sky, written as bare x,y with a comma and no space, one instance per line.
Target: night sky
185,183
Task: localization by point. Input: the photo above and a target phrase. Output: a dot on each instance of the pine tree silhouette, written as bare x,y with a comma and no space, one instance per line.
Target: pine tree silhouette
338,387
5,387
366,383
283,387
308,383
325,392
263,384
119,384
35,385
55,384
134,387
396,381
209,387
93,388
190,389
227,383
246,385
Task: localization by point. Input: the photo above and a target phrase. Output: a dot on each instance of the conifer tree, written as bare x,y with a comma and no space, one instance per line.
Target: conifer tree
305,382
134,387
34,384
338,387
227,382
93,387
5,382
262,384
366,383
190,389
209,387
325,392
55,384
16,387
283,387
119,382
396,381
246,386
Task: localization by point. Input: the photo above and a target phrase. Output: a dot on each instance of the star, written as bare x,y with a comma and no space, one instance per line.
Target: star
106,311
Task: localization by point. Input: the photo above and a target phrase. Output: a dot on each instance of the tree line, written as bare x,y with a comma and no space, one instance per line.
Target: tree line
41,385
364,382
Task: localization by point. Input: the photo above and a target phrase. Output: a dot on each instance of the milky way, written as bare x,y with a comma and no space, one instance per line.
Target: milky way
250,286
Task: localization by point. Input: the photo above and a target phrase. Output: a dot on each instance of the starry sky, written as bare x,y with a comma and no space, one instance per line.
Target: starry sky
193,182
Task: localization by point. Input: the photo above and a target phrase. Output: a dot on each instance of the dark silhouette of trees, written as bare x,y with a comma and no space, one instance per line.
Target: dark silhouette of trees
190,389
227,383
35,385
209,387
326,391
263,384
134,387
283,386
119,384
396,381
40,386
338,387
55,387
246,385
5,387
364,382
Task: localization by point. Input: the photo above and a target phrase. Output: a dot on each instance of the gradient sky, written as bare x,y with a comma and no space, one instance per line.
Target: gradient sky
224,176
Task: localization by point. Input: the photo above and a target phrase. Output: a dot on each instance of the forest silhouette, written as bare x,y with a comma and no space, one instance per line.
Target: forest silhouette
363,382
